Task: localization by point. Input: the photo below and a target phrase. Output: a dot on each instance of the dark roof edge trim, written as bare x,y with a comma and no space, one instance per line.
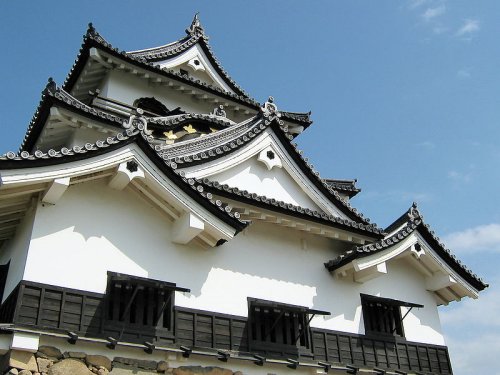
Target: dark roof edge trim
389,301
286,306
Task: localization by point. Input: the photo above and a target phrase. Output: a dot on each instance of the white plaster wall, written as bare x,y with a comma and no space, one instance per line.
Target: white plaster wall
253,176
16,251
126,87
93,229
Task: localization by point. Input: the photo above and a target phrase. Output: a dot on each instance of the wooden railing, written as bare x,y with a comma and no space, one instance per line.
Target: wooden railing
57,309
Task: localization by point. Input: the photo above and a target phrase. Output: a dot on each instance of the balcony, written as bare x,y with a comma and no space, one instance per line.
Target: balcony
54,309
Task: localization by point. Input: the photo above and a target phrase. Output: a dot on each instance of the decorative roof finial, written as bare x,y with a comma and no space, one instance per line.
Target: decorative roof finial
90,29
270,109
51,85
413,212
196,27
219,111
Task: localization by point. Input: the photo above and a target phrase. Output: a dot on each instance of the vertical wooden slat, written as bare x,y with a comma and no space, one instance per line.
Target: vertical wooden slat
40,307
82,312
139,307
115,300
149,306
325,340
288,328
257,324
61,312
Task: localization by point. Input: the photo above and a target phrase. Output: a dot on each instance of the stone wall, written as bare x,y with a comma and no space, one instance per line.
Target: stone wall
49,360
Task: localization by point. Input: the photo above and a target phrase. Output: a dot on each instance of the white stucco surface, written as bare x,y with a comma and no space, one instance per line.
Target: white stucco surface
127,88
94,229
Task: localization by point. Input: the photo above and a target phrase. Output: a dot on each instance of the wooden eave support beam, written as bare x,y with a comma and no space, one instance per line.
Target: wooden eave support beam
56,190
439,281
186,228
364,275
125,173
96,56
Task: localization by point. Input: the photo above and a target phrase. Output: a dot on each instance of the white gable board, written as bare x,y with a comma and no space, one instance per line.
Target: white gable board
196,62
252,169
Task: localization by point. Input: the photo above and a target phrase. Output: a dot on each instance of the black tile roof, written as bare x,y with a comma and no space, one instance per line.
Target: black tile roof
93,39
25,159
53,95
173,121
273,204
219,146
347,187
195,35
410,222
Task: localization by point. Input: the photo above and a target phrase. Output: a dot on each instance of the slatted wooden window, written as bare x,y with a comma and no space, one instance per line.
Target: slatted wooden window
277,325
132,302
381,317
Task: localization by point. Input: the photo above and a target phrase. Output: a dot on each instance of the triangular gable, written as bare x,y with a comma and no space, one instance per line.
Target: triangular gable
194,55
264,167
411,239
127,159
215,153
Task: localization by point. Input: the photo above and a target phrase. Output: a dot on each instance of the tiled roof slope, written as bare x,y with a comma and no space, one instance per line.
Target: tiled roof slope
54,95
411,221
195,35
25,159
93,39
225,146
347,187
289,209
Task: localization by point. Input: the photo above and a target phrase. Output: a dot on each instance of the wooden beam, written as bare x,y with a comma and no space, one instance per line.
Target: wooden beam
370,273
56,190
125,173
439,281
186,228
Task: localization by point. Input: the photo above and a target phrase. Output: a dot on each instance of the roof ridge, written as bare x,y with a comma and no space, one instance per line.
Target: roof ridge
270,114
195,33
414,221
53,91
130,133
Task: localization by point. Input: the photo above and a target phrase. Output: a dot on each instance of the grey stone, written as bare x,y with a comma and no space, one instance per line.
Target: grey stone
22,360
162,366
50,351
69,366
139,363
77,355
25,372
13,371
44,364
98,361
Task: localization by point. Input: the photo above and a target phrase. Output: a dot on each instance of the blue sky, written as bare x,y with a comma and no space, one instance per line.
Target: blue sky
405,97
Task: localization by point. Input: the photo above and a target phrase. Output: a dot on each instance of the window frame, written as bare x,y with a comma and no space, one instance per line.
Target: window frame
377,321
283,324
123,310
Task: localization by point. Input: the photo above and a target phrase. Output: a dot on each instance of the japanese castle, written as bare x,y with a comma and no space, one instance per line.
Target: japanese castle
158,219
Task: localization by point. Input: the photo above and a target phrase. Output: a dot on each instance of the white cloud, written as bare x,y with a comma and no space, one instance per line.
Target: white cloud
469,26
472,329
481,238
431,13
459,176
426,145
463,73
